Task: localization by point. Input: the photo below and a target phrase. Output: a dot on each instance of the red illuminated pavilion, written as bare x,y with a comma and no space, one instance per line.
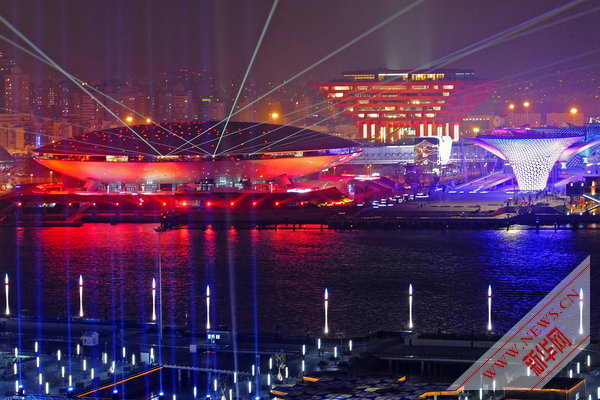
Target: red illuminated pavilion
388,105
185,152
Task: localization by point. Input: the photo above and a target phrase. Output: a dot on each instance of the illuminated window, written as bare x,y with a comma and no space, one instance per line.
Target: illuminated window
448,87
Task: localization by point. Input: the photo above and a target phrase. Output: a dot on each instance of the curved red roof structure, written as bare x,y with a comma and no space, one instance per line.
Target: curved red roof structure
189,151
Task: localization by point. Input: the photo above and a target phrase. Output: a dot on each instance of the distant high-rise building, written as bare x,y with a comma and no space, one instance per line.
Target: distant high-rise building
244,111
184,106
88,111
6,66
13,127
164,106
66,106
17,91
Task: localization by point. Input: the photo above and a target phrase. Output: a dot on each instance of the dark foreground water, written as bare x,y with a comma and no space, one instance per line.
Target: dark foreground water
276,278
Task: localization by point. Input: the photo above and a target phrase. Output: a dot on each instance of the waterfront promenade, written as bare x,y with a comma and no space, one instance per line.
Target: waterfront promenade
321,209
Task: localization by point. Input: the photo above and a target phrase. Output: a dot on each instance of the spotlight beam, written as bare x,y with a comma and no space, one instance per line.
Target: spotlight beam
302,135
261,123
498,37
516,83
80,81
560,21
274,130
71,139
327,57
68,75
296,133
76,141
260,39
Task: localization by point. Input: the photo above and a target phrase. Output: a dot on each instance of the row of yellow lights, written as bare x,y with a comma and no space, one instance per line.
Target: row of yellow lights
526,104
129,118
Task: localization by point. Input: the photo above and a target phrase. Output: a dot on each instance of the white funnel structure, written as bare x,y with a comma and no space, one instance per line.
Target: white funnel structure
532,154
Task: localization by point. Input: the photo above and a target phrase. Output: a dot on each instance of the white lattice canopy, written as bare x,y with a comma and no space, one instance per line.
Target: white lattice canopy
531,154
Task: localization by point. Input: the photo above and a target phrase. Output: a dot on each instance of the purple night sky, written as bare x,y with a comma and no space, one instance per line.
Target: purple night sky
97,40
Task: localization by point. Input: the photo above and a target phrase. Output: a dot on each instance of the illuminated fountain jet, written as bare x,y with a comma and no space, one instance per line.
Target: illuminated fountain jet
532,154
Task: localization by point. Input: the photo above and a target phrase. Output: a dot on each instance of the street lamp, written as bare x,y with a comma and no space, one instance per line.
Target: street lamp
526,105
476,130
573,110
274,116
129,119
511,107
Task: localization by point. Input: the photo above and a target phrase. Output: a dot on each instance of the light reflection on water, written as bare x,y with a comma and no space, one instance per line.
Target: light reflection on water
367,273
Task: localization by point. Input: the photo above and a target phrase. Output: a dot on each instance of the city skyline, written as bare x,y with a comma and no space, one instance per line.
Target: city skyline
102,40
539,52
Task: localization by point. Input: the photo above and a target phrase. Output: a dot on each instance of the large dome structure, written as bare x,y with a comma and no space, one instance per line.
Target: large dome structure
183,152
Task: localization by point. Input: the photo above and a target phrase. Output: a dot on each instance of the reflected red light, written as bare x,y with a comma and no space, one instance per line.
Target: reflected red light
117,204
208,204
19,204
253,204
141,204
164,204
184,204
276,204
232,204
94,204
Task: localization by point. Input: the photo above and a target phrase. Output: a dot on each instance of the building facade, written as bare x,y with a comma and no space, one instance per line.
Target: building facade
388,105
